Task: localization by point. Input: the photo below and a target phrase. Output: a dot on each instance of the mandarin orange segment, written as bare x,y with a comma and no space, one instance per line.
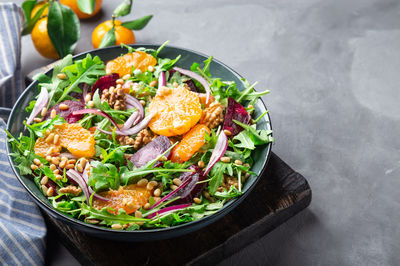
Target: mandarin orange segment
175,110
78,140
123,64
190,144
43,148
130,198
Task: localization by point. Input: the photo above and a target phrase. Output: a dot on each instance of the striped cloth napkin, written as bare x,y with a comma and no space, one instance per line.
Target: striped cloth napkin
22,228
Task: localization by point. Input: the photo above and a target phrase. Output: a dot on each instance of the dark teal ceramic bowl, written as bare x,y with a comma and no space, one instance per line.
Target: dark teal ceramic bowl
218,69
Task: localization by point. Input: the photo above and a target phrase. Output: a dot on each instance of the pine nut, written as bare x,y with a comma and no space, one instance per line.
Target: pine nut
206,194
63,106
72,161
142,182
246,165
173,187
56,139
48,158
250,106
151,185
37,161
197,200
37,120
50,138
111,89
225,159
147,206
52,167
47,132
153,83
59,177
127,76
56,172
44,188
201,164
156,199
247,175
53,113
116,226
157,192
143,102
34,167
119,86
238,162
119,81
50,192
163,159
138,214
44,111
177,181
63,162
91,104
175,84
44,180
227,132
61,76
88,97
83,162
50,151
92,221
69,166
150,68
79,168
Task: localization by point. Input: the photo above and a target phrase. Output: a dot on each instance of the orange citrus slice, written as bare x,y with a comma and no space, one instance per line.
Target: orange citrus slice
123,64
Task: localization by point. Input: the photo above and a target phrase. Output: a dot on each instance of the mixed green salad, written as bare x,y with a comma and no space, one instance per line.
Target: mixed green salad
138,142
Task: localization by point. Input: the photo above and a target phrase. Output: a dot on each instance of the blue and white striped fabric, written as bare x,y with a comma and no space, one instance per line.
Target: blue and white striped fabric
22,228
10,53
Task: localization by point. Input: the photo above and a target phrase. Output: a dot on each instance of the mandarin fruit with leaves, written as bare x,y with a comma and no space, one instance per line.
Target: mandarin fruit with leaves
83,8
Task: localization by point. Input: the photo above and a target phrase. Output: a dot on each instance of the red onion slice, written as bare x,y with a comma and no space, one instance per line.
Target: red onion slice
134,130
197,77
85,91
169,210
41,102
170,195
161,80
96,112
128,123
132,101
218,152
74,175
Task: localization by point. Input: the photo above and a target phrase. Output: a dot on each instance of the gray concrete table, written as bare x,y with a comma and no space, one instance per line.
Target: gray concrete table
333,70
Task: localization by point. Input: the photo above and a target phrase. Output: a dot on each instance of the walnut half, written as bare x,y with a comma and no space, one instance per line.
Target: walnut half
213,115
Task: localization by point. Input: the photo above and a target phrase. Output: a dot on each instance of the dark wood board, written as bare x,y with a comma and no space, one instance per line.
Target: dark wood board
279,195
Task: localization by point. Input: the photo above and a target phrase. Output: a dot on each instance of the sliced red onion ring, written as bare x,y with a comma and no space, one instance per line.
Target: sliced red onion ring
132,101
218,152
41,102
170,195
169,210
74,175
197,77
96,112
85,89
134,130
161,80
129,123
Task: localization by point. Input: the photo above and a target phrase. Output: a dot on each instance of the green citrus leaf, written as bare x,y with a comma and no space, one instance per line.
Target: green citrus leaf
28,26
137,24
123,9
63,28
86,6
27,7
108,38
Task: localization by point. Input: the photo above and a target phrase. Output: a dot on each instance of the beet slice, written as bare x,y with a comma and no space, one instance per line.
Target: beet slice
235,111
151,151
192,189
105,82
67,114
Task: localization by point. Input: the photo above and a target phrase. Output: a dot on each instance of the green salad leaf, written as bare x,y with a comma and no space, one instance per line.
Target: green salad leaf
103,176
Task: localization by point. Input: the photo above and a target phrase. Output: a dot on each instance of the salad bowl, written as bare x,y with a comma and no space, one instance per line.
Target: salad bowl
260,155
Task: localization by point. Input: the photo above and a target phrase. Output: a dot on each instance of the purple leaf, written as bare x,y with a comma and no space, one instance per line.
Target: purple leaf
151,151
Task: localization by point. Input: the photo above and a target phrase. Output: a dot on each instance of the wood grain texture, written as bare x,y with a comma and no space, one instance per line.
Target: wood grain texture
279,195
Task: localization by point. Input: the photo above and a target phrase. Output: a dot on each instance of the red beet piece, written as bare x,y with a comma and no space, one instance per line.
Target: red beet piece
67,114
192,189
151,151
105,82
235,111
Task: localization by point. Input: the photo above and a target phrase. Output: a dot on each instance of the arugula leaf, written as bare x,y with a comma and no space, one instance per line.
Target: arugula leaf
108,218
103,176
165,64
258,137
39,128
87,70
232,193
217,176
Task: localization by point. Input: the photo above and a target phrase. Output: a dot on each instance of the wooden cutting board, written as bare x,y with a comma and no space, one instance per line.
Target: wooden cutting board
279,195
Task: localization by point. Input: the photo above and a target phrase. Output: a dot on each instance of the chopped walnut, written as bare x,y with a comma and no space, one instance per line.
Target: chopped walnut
145,136
71,190
125,140
213,115
115,97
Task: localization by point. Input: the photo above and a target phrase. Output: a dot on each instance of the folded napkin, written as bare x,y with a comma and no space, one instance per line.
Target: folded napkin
22,228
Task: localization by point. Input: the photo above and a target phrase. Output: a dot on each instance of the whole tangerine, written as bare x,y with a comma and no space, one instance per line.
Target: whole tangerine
122,34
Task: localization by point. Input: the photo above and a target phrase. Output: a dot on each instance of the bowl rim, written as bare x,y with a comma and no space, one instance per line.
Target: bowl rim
206,220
